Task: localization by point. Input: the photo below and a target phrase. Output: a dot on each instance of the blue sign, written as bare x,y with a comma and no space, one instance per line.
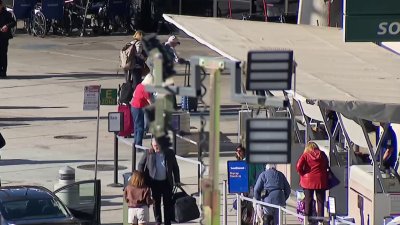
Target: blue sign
238,177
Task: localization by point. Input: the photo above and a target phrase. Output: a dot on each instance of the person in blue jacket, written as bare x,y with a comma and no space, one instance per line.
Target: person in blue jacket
276,191
389,149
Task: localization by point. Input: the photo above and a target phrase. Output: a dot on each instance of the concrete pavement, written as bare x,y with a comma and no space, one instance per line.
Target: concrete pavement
45,127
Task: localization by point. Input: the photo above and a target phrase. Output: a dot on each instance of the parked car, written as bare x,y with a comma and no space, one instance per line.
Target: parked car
34,205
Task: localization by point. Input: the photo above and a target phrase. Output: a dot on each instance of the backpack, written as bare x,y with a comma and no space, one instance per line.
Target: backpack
125,93
127,56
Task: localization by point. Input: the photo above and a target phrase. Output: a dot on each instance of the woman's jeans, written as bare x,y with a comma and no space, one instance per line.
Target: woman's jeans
138,123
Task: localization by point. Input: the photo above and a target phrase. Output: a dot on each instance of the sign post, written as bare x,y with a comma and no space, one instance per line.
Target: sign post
91,101
115,124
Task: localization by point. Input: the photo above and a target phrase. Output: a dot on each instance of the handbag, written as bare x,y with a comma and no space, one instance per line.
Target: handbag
184,206
2,141
333,181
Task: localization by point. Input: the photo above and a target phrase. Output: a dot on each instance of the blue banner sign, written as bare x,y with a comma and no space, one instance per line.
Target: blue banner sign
238,177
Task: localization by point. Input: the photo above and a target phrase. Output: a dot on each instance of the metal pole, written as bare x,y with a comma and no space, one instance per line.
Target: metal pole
115,159
84,18
214,144
225,204
180,7
174,140
280,219
199,187
286,7
133,156
215,8
199,169
115,184
97,139
239,210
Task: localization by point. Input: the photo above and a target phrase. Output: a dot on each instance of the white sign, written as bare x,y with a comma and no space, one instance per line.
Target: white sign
91,97
115,121
331,205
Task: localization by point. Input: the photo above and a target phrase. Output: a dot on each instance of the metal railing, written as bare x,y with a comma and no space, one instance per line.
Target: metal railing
282,213
198,163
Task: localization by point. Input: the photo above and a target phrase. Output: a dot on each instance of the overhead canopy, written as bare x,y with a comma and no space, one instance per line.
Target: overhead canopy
357,79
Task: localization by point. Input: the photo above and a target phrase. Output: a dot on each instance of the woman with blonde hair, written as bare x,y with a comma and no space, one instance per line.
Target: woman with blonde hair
135,75
312,167
138,197
141,98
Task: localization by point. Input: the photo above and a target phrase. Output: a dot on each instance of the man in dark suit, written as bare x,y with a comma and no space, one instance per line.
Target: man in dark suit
6,23
163,171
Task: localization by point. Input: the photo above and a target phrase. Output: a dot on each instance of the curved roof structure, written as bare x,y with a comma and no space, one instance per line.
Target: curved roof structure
356,79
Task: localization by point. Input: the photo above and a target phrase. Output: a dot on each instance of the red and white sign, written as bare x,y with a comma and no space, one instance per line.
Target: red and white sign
91,97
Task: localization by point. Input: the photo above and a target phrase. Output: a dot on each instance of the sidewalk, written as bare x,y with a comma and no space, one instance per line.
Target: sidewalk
42,119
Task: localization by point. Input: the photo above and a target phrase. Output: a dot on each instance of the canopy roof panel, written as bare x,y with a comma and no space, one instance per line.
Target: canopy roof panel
328,68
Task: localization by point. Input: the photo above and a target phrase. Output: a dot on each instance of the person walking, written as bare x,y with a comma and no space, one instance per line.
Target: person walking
139,59
7,22
312,167
277,191
255,169
141,98
138,197
170,45
160,164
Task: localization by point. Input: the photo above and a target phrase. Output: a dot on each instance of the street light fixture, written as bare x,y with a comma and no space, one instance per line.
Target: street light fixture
269,70
268,140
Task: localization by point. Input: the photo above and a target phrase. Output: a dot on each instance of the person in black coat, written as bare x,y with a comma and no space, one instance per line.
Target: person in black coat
6,23
160,165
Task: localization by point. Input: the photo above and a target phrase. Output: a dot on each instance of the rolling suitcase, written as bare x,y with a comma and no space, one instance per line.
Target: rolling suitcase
188,103
128,123
184,206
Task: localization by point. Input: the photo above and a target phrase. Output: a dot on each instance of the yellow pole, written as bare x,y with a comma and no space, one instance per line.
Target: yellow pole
211,184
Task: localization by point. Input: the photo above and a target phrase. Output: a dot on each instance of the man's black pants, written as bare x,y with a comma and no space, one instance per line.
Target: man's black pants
3,57
162,189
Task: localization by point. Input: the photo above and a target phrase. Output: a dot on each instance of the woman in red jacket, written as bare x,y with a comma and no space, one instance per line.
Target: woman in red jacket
313,168
141,98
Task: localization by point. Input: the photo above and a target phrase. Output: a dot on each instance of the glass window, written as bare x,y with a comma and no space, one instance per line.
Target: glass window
33,209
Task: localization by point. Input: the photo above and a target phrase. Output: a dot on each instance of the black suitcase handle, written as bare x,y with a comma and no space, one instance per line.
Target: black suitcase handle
178,187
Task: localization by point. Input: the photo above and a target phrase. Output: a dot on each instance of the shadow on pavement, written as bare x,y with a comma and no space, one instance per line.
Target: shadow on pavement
33,107
12,119
63,75
9,162
13,124
109,203
111,196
